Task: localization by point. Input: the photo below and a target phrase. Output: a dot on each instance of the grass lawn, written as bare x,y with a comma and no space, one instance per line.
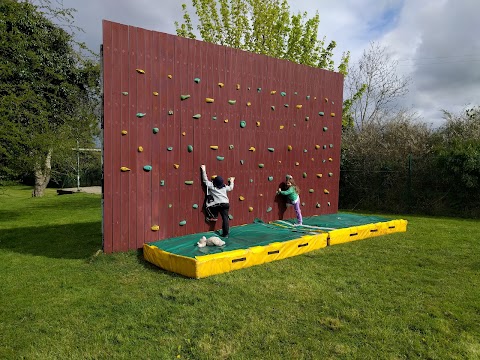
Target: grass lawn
413,295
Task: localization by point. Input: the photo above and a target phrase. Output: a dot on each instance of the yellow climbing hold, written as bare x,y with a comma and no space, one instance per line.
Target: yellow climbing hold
155,93
238,86
124,132
124,168
249,103
251,148
214,147
317,146
176,166
297,163
209,100
250,209
330,159
155,228
326,191
221,85
281,127
319,176
225,121
140,149
184,133
273,92
169,76
326,99
332,114
241,198
258,123
140,71
289,148
299,106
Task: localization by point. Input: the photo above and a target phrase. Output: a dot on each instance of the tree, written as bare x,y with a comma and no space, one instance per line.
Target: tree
263,27
374,87
48,91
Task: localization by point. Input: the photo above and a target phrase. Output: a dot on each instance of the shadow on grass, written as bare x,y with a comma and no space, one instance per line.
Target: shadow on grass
72,241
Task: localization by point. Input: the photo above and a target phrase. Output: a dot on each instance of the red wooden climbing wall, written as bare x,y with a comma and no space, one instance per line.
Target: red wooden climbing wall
282,104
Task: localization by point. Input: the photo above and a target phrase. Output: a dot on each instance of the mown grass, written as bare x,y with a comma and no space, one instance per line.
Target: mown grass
412,295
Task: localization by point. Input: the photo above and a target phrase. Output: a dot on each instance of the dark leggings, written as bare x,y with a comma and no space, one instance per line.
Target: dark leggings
212,212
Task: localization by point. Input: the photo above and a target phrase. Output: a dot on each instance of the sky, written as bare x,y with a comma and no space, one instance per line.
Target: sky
436,42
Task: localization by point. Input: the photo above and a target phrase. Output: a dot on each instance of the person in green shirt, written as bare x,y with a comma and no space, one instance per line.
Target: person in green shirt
293,197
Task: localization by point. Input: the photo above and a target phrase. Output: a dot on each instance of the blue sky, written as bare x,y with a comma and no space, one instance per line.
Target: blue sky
435,41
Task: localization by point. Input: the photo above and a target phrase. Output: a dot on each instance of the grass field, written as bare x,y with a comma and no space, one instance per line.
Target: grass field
413,295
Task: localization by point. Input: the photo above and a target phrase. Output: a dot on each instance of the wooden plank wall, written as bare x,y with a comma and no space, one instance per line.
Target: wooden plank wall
136,200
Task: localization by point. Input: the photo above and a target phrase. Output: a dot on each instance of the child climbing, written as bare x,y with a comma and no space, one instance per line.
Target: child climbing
217,199
293,198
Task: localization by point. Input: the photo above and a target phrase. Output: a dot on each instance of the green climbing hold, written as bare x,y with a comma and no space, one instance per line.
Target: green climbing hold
195,206
147,168
197,80
230,147
259,89
214,118
273,107
269,209
189,148
243,123
232,102
220,158
251,180
261,165
311,191
317,205
140,115
331,146
169,148
286,105
170,206
308,97
183,222
324,146
304,175
305,150
170,112
330,174
271,149
270,178
162,182
325,128
283,93
230,216
125,93
184,97
321,113
241,162
197,116
307,118
189,182
155,130
295,93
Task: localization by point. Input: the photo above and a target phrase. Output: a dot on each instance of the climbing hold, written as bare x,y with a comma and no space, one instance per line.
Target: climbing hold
241,198
249,103
258,123
317,147
319,176
230,147
124,168
331,146
169,76
296,93
155,130
286,105
162,182
321,113
232,102
250,209
209,100
303,204
220,158
326,191
299,106
283,93
243,123
170,112
330,159
170,206
140,149
197,80
269,209
197,116
273,107
308,97
313,159
328,203
307,118
325,128
176,166
230,216
169,148
195,206
189,148
251,180
124,132
324,161
317,205
297,163
304,175
305,150
139,115
271,149
155,93
225,121
332,114
311,191
124,93
273,92
289,148
260,195
238,87
214,118
270,178
324,146
184,133
140,71
333,103
251,148
184,97
155,228
259,89
281,127
261,166
189,182
241,162
330,174
214,147
326,99
183,222
147,168
314,98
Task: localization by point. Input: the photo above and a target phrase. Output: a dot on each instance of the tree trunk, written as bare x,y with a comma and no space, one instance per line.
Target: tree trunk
42,176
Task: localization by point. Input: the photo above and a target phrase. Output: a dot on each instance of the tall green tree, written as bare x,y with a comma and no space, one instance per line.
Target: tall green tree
48,91
264,27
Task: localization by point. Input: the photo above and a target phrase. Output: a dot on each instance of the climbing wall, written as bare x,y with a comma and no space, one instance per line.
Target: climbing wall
172,104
